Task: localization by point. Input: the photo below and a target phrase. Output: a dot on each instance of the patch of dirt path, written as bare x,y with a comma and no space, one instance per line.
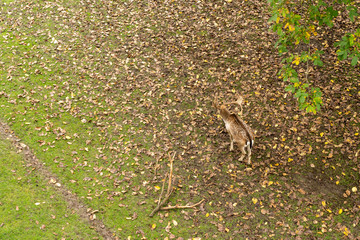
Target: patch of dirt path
73,202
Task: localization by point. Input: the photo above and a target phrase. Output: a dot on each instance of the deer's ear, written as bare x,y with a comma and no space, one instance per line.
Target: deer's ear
215,102
240,100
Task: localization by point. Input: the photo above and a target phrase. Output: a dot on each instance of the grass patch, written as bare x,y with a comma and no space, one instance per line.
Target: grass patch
101,96
29,207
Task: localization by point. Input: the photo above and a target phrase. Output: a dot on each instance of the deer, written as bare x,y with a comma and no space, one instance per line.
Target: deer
239,131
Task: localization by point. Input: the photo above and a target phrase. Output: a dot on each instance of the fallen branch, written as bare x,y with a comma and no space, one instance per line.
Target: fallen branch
159,206
171,173
162,190
182,207
169,191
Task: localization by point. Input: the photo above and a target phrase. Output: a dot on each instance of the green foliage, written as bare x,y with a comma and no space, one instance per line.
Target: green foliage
296,23
349,47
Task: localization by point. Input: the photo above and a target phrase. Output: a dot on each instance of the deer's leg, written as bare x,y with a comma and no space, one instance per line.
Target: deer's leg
243,153
231,143
249,154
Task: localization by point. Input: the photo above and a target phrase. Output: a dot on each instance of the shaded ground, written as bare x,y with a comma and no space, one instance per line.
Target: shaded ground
102,90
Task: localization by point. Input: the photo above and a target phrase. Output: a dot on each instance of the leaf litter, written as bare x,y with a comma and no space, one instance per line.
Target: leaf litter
138,80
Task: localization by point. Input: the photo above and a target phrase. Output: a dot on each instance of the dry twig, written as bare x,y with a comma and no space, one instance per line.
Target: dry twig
181,207
169,191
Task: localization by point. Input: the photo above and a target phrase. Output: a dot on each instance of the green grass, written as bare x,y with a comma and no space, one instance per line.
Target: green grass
31,209
103,111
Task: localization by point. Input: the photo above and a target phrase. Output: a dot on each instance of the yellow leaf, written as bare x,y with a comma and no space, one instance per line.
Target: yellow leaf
157,187
290,160
346,231
291,28
323,203
254,200
153,226
297,60
321,134
207,215
340,211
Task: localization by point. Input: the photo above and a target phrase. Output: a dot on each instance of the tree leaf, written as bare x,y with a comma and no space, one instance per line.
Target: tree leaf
354,60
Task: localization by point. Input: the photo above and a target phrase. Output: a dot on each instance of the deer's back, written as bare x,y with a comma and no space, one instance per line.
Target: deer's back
234,128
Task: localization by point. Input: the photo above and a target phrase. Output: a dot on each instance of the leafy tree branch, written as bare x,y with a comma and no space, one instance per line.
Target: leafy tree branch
296,23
